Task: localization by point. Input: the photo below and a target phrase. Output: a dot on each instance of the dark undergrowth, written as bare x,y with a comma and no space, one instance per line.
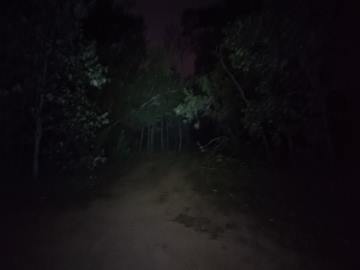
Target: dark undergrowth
287,203
76,188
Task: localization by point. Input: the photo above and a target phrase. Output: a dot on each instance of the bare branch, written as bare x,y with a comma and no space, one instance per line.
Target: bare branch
232,77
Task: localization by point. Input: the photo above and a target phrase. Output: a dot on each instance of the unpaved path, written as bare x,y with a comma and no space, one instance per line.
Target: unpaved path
153,221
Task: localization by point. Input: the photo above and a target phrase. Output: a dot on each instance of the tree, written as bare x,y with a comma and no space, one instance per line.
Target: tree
154,95
271,59
53,78
271,63
196,105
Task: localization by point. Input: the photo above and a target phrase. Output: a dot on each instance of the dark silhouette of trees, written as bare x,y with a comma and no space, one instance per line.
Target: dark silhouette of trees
272,56
50,83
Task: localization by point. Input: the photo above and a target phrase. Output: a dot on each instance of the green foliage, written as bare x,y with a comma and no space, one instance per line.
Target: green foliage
267,86
71,113
259,57
94,71
152,96
59,76
195,105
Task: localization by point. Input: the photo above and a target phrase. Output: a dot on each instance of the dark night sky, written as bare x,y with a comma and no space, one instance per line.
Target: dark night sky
159,14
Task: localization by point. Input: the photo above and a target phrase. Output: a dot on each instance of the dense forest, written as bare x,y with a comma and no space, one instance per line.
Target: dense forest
273,87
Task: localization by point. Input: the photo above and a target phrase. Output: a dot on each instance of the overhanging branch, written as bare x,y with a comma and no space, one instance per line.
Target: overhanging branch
233,79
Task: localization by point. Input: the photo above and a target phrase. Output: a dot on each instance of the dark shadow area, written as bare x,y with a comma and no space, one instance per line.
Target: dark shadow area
230,144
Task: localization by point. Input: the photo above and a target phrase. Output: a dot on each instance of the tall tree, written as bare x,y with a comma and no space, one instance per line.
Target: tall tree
52,77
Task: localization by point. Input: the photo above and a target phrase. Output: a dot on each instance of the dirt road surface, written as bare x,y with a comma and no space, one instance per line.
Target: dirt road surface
149,219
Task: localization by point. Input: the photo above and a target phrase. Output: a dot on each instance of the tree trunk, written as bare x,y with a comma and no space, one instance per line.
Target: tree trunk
290,146
37,142
148,138
266,144
167,135
180,137
152,138
141,139
162,134
37,139
38,134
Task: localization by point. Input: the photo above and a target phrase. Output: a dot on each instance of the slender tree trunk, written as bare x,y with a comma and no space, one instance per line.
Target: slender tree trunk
38,134
167,135
37,139
37,142
152,138
180,137
141,139
148,138
162,134
290,146
266,144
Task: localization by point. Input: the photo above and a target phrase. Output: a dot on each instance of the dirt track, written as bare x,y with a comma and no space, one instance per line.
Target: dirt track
155,221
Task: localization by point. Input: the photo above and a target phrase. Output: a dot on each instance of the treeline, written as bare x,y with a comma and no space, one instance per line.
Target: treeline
78,86
143,109
271,76
51,77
